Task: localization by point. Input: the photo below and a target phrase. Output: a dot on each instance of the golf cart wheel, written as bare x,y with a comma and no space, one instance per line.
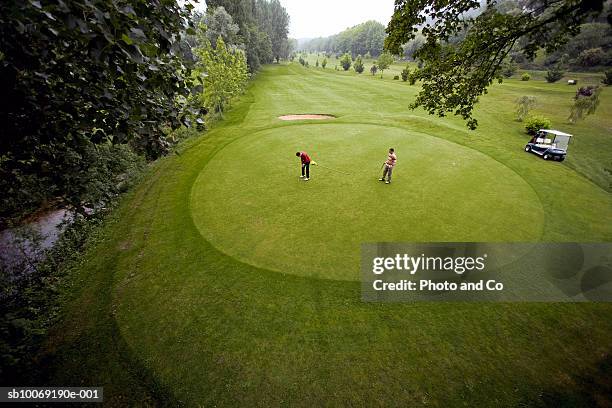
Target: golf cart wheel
527,149
561,158
546,156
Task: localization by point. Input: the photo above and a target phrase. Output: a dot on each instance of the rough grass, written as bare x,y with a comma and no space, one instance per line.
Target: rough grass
158,315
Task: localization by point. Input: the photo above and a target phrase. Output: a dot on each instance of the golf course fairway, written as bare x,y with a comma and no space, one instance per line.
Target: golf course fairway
230,282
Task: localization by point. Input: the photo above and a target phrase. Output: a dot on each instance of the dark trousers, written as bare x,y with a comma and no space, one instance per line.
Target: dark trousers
306,169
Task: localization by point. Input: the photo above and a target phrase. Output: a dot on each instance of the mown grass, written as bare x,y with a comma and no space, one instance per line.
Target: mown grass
160,316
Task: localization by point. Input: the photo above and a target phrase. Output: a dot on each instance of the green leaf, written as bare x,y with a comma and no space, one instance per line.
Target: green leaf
126,39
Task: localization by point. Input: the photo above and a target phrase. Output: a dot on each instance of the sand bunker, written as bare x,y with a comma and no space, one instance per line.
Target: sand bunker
308,117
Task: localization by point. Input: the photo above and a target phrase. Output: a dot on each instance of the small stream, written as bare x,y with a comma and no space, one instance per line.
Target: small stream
16,248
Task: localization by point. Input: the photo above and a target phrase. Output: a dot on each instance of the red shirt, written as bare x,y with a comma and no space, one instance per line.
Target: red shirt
305,158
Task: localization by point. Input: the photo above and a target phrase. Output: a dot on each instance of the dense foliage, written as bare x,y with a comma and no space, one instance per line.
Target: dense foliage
591,47
223,72
508,69
78,75
358,66
362,39
219,23
405,73
607,80
462,53
263,27
535,123
554,74
346,61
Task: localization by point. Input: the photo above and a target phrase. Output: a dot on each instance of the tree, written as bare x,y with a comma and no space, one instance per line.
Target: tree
384,61
607,80
508,69
358,65
346,61
277,21
523,105
77,75
592,35
412,78
592,57
373,68
554,74
263,28
324,63
586,102
462,53
406,73
410,48
225,74
219,23
365,39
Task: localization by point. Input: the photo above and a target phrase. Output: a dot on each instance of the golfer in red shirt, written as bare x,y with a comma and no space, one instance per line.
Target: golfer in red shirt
305,165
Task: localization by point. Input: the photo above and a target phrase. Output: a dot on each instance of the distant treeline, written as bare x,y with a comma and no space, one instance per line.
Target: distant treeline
590,49
362,39
262,29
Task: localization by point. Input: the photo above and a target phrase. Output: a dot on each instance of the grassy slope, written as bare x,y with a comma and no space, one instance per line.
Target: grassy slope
163,315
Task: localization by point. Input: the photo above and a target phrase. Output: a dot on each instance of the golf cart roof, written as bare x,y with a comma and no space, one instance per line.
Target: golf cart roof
555,132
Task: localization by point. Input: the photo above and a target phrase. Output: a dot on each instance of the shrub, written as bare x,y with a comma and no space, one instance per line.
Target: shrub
508,69
324,63
317,63
374,69
592,57
607,80
535,123
525,77
524,105
396,78
413,77
554,74
358,65
346,61
405,73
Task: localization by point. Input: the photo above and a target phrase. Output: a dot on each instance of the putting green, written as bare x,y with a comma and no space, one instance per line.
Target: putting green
250,203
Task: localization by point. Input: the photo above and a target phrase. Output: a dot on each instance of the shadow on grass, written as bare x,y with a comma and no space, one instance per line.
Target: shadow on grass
589,389
103,359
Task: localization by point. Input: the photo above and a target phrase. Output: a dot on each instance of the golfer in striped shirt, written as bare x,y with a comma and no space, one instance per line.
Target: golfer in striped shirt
388,166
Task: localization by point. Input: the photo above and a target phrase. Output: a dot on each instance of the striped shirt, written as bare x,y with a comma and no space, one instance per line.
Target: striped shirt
391,160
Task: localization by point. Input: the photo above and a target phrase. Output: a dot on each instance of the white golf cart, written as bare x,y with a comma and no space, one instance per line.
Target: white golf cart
550,144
